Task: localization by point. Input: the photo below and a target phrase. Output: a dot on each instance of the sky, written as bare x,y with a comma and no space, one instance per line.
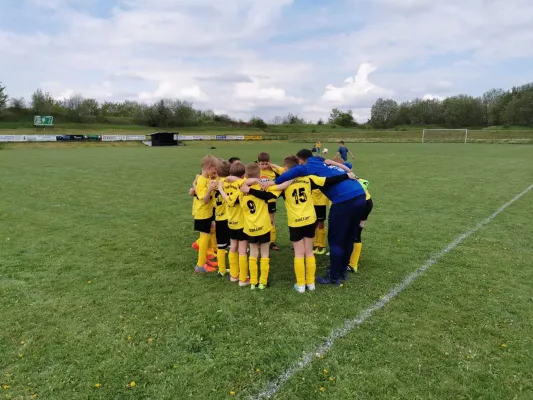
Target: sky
265,57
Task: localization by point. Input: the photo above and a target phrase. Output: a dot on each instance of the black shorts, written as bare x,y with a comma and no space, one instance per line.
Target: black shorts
203,225
223,234
272,207
320,212
260,239
238,234
297,234
368,209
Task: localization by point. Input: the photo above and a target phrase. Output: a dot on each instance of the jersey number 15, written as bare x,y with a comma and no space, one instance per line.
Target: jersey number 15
299,195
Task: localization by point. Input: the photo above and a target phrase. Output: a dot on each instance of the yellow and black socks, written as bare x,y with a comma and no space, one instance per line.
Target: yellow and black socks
203,244
243,268
354,258
316,240
233,264
321,238
273,234
254,270
214,244
221,258
310,270
299,271
265,269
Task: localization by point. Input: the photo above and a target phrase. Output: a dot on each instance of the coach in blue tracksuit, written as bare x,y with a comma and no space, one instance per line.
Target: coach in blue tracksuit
348,206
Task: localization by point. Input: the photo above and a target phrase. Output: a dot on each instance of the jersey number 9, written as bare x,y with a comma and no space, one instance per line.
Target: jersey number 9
299,196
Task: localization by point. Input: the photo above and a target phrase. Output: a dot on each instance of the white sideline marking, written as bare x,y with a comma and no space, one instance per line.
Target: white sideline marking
272,387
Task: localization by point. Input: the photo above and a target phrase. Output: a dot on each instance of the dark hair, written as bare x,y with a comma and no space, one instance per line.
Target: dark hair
341,142
233,159
304,154
263,157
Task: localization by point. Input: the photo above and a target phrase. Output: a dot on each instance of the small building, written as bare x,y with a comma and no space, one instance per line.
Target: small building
164,139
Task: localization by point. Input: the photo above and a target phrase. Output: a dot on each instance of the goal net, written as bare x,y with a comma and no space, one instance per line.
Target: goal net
444,135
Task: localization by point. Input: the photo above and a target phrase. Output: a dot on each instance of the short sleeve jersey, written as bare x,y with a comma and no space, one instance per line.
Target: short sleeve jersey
233,207
343,151
256,216
203,210
299,201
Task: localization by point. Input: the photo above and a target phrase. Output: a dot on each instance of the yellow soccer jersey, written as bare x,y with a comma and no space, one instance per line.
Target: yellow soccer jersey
203,210
233,208
256,217
319,198
299,202
221,208
269,175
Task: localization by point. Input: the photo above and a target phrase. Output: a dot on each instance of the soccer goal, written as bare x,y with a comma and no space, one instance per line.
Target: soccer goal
444,135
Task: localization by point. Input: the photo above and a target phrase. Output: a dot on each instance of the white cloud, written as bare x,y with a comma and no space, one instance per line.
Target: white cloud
356,88
430,96
266,57
255,91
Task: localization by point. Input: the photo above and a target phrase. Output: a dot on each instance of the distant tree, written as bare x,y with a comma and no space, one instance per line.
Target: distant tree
463,111
3,96
384,113
341,118
17,104
320,122
42,102
493,106
292,119
258,123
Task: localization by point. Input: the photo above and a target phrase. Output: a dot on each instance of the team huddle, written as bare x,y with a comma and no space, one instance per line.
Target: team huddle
234,206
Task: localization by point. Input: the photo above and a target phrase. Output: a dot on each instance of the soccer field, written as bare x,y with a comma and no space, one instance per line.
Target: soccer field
97,288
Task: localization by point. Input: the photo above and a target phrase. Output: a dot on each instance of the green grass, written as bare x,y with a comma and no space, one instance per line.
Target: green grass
119,218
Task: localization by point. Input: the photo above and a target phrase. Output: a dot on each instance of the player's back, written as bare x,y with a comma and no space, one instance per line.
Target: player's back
203,210
299,203
233,207
256,216
221,209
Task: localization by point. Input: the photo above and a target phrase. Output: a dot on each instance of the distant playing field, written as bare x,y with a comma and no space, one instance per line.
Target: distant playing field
97,288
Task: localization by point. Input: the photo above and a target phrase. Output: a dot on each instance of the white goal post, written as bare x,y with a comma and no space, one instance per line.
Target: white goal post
455,131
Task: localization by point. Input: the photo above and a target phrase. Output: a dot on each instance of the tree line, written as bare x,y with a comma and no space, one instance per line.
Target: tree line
497,107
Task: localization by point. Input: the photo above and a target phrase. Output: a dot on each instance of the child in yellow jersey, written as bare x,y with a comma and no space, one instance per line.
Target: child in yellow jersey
270,172
257,226
320,202
302,218
203,212
221,220
229,189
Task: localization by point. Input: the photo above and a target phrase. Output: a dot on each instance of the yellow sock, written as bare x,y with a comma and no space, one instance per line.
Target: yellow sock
254,271
265,269
299,271
322,237
203,244
234,264
243,268
213,239
273,235
316,241
310,270
354,258
221,258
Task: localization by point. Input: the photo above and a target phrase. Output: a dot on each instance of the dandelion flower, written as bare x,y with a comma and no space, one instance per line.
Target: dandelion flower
5,387
331,378
129,337
22,342
325,372
504,345
232,393
322,389
132,384
34,396
257,370
89,282
150,340
97,386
